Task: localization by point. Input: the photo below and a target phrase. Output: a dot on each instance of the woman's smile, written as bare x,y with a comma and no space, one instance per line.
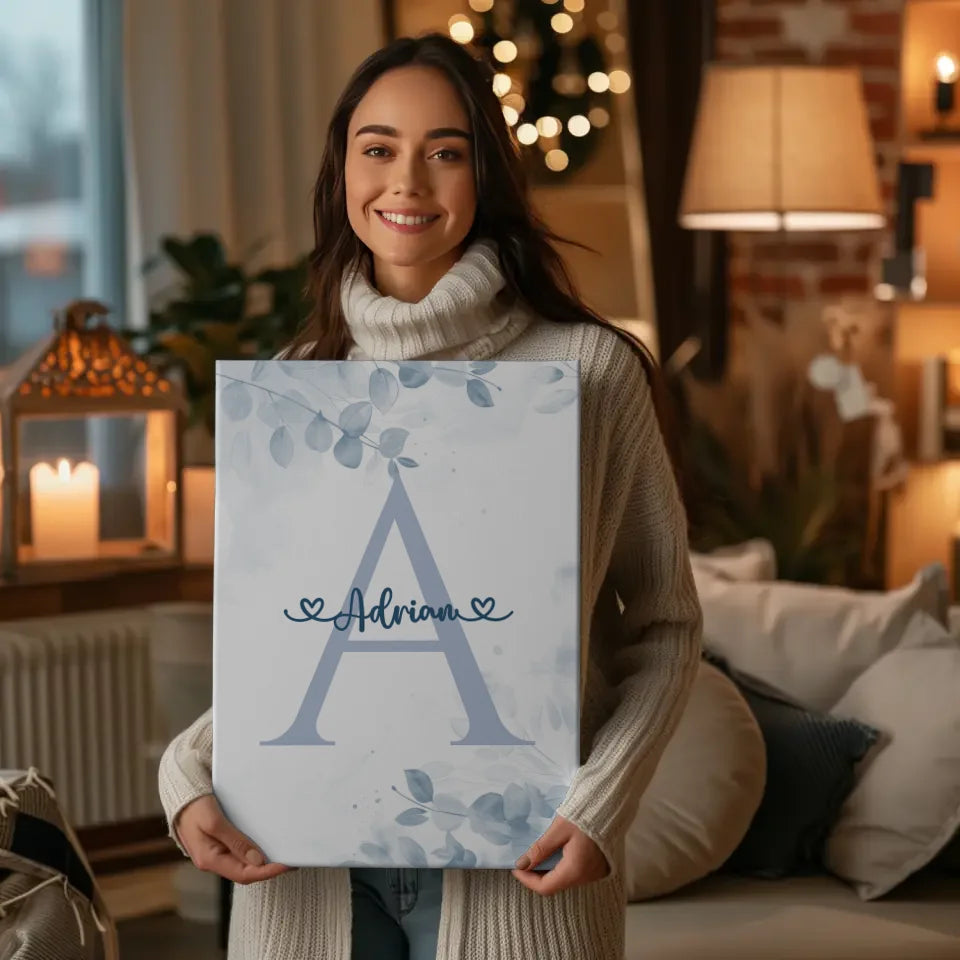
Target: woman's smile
404,221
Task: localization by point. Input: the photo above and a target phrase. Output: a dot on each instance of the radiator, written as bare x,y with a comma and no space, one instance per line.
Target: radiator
75,701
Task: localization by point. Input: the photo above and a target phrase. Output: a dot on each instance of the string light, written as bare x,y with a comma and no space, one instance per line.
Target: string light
502,84
598,82
511,116
527,134
599,117
557,160
505,51
619,81
574,6
481,6
549,126
615,42
607,20
561,22
578,125
461,29
516,101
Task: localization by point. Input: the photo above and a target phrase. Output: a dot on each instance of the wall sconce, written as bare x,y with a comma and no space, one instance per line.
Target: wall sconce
946,73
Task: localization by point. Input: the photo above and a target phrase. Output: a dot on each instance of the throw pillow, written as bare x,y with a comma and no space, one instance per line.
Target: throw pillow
706,787
906,804
752,560
810,770
811,642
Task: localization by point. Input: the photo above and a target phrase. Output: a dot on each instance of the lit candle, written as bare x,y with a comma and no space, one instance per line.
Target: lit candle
64,510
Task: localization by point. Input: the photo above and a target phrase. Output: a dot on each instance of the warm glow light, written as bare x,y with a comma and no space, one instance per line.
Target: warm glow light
598,82
574,6
171,486
619,81
516,101
64,510
561,22
527,134
615,42
549,126
578,125
501,84
947,68
461,29
607,20
556,160
63,470
481,6
510,115
505,51
599,117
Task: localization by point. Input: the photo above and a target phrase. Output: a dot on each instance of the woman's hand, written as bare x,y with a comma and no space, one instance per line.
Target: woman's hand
217,846
582,861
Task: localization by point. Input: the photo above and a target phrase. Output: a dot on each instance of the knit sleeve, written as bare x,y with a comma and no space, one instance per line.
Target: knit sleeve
654,653
186,770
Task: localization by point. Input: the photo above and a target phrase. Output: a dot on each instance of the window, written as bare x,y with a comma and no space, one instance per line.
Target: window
61,233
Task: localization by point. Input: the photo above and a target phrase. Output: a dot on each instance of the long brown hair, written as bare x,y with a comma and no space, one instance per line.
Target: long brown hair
535,273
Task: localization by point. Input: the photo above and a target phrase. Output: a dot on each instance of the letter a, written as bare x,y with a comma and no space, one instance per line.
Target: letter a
485,726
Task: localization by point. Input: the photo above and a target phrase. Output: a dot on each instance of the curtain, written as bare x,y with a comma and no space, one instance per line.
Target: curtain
670,40
226,104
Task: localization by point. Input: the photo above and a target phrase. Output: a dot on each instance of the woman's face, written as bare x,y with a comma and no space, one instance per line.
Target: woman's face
409,169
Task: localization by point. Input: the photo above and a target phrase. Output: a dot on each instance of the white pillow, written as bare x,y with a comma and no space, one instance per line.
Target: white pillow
703,795
751,560
807,641
906,803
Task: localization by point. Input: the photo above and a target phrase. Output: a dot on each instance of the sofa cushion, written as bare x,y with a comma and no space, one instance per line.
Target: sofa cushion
811,642
752,560
906,805
706,787
810,770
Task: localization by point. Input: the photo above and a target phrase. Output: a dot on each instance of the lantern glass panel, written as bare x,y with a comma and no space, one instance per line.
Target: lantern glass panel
96,487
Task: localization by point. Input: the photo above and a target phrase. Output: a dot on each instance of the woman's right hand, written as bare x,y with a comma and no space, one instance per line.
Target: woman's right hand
217,846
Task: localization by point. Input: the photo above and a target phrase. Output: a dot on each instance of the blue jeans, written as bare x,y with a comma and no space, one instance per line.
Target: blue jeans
396,913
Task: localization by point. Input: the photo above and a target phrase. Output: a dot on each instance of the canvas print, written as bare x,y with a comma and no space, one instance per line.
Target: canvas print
396,607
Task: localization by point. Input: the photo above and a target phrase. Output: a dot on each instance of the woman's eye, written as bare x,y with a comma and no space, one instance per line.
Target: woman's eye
446,154
372,152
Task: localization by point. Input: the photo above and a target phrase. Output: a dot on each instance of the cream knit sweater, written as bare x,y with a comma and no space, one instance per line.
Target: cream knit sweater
637,666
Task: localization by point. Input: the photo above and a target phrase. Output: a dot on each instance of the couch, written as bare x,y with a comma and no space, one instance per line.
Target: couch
688,903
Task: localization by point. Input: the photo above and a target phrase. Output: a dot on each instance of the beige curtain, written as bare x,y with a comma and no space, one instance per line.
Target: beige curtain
226,105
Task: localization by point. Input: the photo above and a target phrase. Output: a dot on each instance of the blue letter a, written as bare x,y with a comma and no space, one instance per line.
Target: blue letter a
485,727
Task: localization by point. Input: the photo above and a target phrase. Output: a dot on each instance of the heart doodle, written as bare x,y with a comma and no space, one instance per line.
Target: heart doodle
482,608
312,608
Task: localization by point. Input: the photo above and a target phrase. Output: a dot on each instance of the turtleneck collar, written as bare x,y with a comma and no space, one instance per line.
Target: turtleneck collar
459,318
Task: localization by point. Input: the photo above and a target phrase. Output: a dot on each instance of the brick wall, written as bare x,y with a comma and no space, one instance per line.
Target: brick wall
861,33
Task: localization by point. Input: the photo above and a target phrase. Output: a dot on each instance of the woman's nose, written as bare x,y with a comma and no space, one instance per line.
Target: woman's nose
411,176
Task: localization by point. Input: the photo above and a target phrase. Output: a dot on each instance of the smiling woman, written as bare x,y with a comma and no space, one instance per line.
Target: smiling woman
410,188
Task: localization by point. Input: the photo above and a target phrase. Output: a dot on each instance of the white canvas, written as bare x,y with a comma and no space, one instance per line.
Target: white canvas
444,732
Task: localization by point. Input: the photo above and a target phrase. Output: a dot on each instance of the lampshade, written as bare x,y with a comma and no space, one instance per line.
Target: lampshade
781,148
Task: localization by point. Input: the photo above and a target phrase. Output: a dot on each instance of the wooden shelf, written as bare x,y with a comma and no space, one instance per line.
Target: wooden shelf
128,589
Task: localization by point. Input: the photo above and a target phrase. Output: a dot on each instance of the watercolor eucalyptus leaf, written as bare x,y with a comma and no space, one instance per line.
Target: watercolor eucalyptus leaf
355,418
415,373
450,378
482,366
294,407
281,446
393,470
516,803
268,413
319,434
257,371
547,374
421,786
412,852
406,462
375,852
384,389
348,451
489,805
469,859
449,813
412,816
353,376
392,440
554,401
479,394
236,401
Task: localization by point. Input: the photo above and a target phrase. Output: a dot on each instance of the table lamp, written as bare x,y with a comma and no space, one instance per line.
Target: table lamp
781,148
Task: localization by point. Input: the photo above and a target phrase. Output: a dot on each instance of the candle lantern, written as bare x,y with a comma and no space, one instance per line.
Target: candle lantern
90,438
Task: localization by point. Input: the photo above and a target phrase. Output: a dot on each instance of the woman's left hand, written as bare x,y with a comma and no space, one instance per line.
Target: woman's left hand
582,861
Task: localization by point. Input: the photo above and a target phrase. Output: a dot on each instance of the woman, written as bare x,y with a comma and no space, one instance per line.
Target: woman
426,247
